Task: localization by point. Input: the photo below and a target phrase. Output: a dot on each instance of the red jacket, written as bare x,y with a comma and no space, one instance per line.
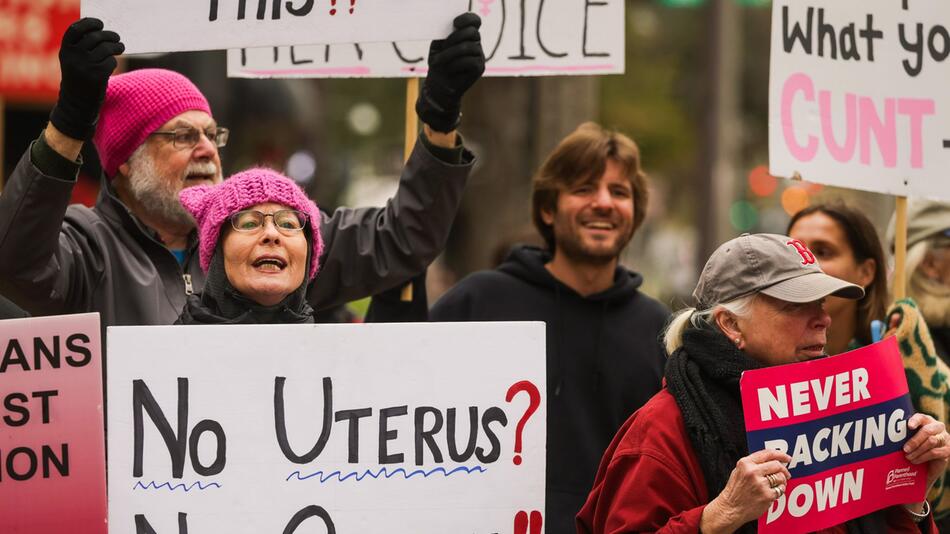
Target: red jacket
650,480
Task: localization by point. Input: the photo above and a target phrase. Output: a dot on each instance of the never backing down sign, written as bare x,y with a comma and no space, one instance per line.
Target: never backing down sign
843,420
422,428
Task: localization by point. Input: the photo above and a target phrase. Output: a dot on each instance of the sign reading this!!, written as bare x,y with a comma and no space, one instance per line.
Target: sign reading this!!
52,446
422,428
182,25
843,420
858,95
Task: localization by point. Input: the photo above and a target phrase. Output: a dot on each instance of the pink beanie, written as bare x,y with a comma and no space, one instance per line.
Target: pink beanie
138,103
211,205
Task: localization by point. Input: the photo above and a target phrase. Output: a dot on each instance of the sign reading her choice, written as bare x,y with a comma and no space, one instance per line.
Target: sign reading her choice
858,94
520,38
423,428
843,420
52,457
180,25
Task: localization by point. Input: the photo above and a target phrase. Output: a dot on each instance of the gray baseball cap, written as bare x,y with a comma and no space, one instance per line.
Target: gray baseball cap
773,264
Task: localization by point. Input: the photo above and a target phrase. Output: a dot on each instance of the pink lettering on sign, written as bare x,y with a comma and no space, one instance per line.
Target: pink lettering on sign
872,126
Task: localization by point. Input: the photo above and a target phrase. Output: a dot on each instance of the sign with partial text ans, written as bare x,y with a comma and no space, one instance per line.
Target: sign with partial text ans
422,428
858,94
52,447
183,25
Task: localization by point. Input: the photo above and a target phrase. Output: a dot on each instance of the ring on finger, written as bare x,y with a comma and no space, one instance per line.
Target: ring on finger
773,480
779,491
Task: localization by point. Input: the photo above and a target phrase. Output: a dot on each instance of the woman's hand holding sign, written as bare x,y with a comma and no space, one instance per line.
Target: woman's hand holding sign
754,484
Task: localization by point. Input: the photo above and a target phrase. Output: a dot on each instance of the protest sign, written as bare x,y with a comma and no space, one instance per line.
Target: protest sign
30,33
52,457
181,25
526,38
843,420
422,428
858,94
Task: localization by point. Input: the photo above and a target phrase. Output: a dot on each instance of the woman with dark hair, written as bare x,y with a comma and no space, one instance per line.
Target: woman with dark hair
846,246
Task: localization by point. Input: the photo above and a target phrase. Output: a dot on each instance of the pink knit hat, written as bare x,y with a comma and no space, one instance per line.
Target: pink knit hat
211,205
138,103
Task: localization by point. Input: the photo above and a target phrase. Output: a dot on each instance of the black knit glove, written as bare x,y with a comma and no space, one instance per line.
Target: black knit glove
86,59
455,64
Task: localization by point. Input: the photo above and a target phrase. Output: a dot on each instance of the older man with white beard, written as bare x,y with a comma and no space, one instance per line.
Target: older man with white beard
131,256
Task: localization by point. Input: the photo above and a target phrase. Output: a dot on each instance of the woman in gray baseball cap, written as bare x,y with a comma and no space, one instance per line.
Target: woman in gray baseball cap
681,462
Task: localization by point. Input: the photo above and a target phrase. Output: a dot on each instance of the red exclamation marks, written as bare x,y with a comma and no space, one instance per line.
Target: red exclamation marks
333,7
352,6
523,522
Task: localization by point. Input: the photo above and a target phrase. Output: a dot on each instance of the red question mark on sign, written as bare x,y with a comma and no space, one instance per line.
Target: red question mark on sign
534,397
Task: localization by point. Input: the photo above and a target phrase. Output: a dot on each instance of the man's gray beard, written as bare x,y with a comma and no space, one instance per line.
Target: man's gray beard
155,194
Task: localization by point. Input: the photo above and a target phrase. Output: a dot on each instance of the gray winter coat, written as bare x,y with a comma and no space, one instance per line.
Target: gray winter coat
57,259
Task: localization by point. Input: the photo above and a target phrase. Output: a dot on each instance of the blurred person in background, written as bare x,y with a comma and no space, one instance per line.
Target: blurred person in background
928,266
681,463
604,359
132,256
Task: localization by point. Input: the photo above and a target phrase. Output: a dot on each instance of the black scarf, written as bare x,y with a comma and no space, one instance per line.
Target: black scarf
220,303
703,376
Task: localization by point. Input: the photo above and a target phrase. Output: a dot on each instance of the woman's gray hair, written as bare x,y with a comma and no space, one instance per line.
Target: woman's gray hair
691,317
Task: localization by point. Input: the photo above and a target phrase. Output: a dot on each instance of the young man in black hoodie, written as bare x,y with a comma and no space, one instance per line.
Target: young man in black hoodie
604,359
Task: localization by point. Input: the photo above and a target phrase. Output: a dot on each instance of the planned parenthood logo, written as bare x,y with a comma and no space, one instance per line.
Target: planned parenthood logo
897,478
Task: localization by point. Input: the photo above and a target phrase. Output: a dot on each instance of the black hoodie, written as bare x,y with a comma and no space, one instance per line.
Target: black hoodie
604,361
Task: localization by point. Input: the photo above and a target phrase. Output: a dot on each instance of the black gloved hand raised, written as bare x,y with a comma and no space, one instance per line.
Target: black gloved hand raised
86,59
455,64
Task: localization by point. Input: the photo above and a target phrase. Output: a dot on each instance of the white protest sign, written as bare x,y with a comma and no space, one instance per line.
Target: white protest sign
422,428
520,38
181,25
858,94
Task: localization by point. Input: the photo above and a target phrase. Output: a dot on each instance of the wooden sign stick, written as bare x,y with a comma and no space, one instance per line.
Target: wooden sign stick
900,249
412,131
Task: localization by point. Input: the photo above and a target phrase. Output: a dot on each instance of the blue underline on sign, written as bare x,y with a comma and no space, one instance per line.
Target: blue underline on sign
153,485
383,473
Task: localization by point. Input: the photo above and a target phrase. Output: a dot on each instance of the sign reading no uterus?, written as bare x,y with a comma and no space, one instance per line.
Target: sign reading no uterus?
858,94
422,428
183,25
520,38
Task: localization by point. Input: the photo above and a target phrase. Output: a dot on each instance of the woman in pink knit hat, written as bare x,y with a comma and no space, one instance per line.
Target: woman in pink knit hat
259,243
